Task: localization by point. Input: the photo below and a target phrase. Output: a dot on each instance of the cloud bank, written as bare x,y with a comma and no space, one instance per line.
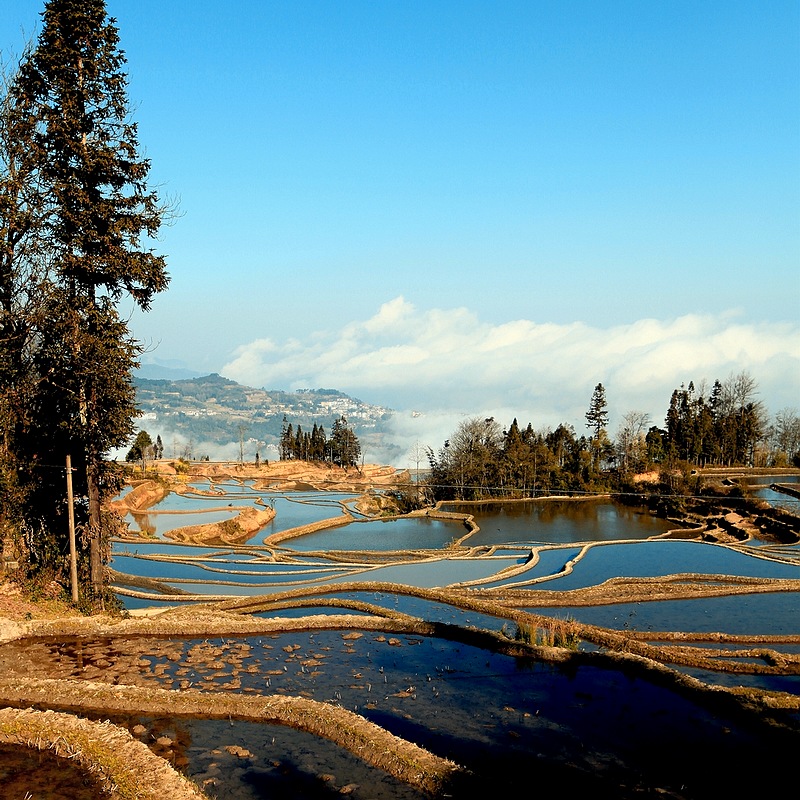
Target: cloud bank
445,364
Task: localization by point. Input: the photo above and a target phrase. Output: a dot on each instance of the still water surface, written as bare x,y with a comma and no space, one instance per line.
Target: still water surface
511,532
557,521
517,724
502,717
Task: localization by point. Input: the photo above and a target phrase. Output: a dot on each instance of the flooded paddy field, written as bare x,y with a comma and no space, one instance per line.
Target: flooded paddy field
589,725
672,657
766,489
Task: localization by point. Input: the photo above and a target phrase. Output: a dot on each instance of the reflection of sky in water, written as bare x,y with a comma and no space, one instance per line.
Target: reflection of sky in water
558,522
778,499
524,522
152,601
222,589
282,759
291,512
771,683
165,548
503,717
438,573
550,562
429,610
158,524
166,570
189,503
761,613
468,703
597,706
231,487
761,480
418,533
770,613
775,499
651,559
646,559
255,565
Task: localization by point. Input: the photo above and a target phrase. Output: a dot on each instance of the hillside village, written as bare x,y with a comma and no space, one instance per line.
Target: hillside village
195,414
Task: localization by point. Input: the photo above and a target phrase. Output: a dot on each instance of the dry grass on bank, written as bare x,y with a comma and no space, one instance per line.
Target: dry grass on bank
122,767
113,756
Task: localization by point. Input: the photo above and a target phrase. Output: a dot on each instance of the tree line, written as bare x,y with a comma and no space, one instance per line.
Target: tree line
78,222
728,427
342,449
144,449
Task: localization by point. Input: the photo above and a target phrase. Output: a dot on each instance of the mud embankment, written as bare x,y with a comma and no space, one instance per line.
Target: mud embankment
123,767
275,476
144,494
237,530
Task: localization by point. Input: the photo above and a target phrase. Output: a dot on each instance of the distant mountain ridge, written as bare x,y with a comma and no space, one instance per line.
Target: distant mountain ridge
165,372
217,417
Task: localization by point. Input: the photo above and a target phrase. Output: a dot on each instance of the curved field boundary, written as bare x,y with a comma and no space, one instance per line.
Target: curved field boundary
768,713
124,767
375,745
312,527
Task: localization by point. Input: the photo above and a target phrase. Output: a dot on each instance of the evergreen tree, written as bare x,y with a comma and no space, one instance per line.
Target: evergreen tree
678,424
345,447
597,415
518,468
22,272
477,461
596,420
142,449
706,449
654,442
285,441
561,442
318,442
97,217
726,429
288,442
298,444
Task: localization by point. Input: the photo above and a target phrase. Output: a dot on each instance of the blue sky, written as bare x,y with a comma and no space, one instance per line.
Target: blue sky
472,207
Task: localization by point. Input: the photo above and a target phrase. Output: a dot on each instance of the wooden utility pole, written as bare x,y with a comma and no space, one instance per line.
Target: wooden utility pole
241,444
73,553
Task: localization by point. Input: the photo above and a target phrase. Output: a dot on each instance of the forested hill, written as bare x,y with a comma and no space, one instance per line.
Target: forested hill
203,416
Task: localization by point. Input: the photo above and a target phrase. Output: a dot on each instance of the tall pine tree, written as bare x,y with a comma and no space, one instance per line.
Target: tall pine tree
99,218
597,420
597,415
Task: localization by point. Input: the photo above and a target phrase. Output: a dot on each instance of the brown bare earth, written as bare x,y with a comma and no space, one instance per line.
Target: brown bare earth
287,475
278,476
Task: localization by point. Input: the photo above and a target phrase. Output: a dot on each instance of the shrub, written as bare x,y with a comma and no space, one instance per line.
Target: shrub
558,633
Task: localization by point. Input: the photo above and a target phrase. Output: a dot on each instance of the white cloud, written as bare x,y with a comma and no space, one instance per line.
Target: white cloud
390,317
447,363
